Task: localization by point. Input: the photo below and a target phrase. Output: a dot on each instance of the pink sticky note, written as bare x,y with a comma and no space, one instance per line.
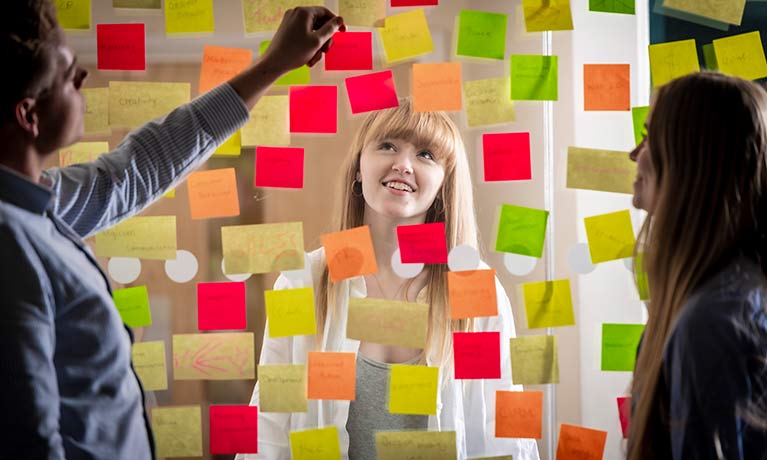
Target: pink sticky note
624,412
507,156
279,167
313,109
233,429
422,243
396,3
350,51
477,355
221,306
373,91
120,46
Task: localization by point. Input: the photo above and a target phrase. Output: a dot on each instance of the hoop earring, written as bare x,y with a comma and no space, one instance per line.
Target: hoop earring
357,188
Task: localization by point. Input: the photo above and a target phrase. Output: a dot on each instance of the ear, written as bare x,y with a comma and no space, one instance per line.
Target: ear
26,116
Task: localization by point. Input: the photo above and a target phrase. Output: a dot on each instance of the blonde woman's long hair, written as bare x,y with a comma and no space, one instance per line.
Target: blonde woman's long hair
454,205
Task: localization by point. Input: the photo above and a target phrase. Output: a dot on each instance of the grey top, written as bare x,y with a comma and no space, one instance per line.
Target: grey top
369,412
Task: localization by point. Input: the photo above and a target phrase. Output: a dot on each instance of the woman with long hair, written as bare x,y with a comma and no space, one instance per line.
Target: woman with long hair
700,381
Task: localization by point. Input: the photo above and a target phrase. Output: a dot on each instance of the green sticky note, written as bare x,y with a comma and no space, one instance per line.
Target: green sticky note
548,304
189,16
133,305
709,56
74,14
611,236
290,312
619,346
138,4
640,276
299,76
534,77
671,60
482,34
521,230
612,6
639,116
534,360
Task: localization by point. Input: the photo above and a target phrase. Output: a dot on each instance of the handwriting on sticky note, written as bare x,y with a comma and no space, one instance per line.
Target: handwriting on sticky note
269,123
606,87
619,346
477,355
362,13
177,431
282,388
729,11
601,170
472,293
133,305
521,230
388,322
488,102
82,152
121,46
134,103
149,362
671,60
416,445
221,306
541,15
579,443
481,34
375,91
548,304
279,167
143,237
96,118
290,312
213,193
318,444
74,14
506,156
406,35
518,414
349,253
188,16
741,55
331,375
413,389
534,360
350,51
263,248
218,356
219,64
437,87
534,77
611,236
265,15
233,429
422,243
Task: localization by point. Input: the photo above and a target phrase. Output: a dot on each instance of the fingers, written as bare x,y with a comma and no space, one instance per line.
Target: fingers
315,59
329,28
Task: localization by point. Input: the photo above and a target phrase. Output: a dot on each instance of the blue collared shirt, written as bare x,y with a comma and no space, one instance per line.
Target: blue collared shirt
67,387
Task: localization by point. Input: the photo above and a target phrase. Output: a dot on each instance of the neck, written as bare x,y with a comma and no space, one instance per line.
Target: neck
383,231
22,158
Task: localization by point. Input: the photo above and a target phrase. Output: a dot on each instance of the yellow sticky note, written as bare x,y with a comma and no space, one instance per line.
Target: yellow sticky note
263,248
416,445
217,356
133,103
611,236
290,312
671,60
406,35
413,389
729,11
143,237
149,362
82,152
170,193
265,15
534,360
319,444
177,431
548,304
543,15
363,13
96,118
602,170
269,123
188,16
230,147
74,14
282,388
488,102
741,55
388,322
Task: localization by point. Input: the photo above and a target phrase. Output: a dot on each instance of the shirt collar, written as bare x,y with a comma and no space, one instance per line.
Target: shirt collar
22,192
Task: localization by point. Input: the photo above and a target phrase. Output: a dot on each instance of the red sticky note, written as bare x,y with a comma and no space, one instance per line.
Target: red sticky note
221,306
121,46
233,429
313,109
606,87
279,167
624,412
350,51
579,443
422,243
477,355
373,91
396,3
506,156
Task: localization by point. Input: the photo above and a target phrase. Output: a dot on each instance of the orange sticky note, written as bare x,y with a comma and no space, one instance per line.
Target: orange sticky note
472,293
331,375
219,64
518,414
437,87
579,443
606,87
213,193
349,253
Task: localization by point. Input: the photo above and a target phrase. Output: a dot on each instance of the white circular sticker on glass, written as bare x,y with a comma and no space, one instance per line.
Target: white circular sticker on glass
518,264
404,270
579,259
183,268
463,257
124,270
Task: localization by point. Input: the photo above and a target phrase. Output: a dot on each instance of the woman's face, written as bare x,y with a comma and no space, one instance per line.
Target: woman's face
644,185
399,180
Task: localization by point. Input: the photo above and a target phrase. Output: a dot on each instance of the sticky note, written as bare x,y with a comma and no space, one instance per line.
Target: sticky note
487,102
149,362
606,87
233,429
477,355
671,60
133,305
612,6
350,51
639,117
269,123
388,322
506,156
658,8
349,253
729,11
362,13
619,346
624,414
120,47
188,16
472,294
374,91
266,15
290,312
610,236
213,193
406,35
534,360
263,248
138,4
709,57
214,356
313,109
74,14
170,193
96,119
518,414
177,431
413,389
331,375
400,3
143,237
282,388
317,444
299,76
500,457
82,152
601,170
219,64
741,55
437,87
221,306
482,34
534,77
416,445
580,443
422,243
232,146
521,230
548,304
640,275
541,15
133,103
281,167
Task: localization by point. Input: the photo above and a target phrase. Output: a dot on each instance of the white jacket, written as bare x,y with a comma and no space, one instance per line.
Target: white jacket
464,406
